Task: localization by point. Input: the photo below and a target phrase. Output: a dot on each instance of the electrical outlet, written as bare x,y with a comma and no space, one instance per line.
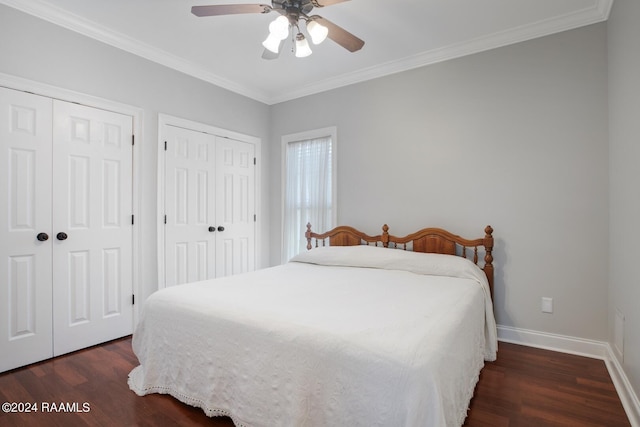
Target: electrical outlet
547,305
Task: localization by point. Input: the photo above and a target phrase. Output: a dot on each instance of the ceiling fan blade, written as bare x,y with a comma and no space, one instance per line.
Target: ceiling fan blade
340,35
230,9
323,3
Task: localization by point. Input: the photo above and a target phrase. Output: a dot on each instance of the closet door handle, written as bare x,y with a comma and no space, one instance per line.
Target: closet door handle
43,237
220,228
61,236
212,229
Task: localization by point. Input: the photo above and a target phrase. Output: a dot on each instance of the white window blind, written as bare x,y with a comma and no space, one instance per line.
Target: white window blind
309,190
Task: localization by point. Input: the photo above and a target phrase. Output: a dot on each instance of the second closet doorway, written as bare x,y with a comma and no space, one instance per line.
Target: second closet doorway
209,210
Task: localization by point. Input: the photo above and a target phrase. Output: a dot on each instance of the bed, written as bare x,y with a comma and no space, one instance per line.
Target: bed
359,330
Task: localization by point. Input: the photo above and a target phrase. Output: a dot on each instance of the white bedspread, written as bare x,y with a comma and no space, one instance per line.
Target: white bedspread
392,342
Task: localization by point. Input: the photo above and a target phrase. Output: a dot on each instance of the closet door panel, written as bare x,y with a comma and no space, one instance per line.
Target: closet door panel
235,193
190,203
25,229
92,226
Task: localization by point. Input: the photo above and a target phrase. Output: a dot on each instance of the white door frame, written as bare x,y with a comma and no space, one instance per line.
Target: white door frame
164,120
26,85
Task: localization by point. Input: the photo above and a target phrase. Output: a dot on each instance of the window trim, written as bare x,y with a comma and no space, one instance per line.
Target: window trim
331,131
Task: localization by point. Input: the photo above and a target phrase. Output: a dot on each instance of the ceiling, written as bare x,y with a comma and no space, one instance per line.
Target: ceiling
398,34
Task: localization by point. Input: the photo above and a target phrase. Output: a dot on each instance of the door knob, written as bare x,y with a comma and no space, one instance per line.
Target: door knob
220,228
212,229
61,236
43,237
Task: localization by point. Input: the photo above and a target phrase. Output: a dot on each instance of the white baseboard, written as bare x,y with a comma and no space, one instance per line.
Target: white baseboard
581,347
547,341
628,397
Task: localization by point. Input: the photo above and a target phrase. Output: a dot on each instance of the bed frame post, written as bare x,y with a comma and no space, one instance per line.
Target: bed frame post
488,257
385,236
307,234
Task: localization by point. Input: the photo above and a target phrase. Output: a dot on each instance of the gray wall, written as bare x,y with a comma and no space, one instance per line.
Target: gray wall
515,137
37,50
624,134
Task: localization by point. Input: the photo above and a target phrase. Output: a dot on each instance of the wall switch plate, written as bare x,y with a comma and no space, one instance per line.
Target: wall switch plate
547,305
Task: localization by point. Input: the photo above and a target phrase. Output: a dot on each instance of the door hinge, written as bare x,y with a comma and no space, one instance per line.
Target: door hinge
165,146
132,220
254,161
165,219
133,140
133,299
255,218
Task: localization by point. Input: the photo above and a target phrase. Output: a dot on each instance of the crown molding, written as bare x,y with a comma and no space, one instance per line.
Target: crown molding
121,41
592,15
597,13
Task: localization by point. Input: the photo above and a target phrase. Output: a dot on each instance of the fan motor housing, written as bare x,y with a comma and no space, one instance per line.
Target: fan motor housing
294,6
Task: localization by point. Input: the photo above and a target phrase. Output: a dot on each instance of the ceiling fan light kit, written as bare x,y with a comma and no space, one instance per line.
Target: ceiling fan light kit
291,13
318,32
279,30
280,27
302,46
272,43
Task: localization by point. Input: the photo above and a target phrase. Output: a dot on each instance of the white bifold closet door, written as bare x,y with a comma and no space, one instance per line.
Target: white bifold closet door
25,213
92,206
209,206
65,226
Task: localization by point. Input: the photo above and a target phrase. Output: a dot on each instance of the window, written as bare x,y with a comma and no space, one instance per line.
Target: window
309,186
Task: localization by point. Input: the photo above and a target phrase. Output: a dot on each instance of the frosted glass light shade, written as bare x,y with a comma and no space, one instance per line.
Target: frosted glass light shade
318,32
272,43
302,46
279,27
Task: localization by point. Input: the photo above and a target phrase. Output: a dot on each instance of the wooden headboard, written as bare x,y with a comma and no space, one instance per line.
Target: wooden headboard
430,240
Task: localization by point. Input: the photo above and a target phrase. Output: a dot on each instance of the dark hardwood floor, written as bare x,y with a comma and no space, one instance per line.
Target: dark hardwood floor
533,387
524,387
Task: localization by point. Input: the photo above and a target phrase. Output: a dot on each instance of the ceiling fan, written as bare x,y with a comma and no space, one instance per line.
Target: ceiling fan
292,12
